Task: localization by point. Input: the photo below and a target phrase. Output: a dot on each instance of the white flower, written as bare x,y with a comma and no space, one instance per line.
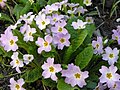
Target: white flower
118,20
16,63
87,2
42,21
28,58
16,85
89,20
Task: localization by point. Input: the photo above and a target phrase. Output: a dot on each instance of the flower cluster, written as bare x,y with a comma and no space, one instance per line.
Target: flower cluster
109,77
45,37
16,62
73,74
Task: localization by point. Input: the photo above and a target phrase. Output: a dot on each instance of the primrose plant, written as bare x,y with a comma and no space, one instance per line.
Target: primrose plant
53,46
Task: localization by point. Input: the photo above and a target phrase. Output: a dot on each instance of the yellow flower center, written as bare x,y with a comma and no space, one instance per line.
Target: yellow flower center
97,45
87,1
17,61
17,86
109,75
43,22
111,55
30,33
60,29
11,42
50,11
29,58
89,20
0,0
116,37
54,19
45,43
77,76
62,40
51,69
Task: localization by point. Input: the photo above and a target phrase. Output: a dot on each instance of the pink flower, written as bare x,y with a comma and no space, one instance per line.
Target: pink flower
98,46
116,86
8,41
2,3
50,69
61,40
109,75
110,55
16,85
44,44
59,28
42,21
16,62
75,76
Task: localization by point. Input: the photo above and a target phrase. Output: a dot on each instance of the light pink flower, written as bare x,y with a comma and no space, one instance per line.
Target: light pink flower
110,55
50,69
44,44
109,75
28,36
75,76
59,28
61,40
16,62
42,21
98,46
8,41
16,85
2,3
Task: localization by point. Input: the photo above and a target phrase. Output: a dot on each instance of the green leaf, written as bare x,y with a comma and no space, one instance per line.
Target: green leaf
75,44
52,1
64,86
32,75
84,57
16,10
78,1
90,28
79,40
1,76
49,82
5,17
26,8
70,29
91,85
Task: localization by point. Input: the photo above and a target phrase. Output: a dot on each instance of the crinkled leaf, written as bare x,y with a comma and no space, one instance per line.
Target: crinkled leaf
32,75
17,9
75,44
5,17
52,1
49,82
84,57
26,8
